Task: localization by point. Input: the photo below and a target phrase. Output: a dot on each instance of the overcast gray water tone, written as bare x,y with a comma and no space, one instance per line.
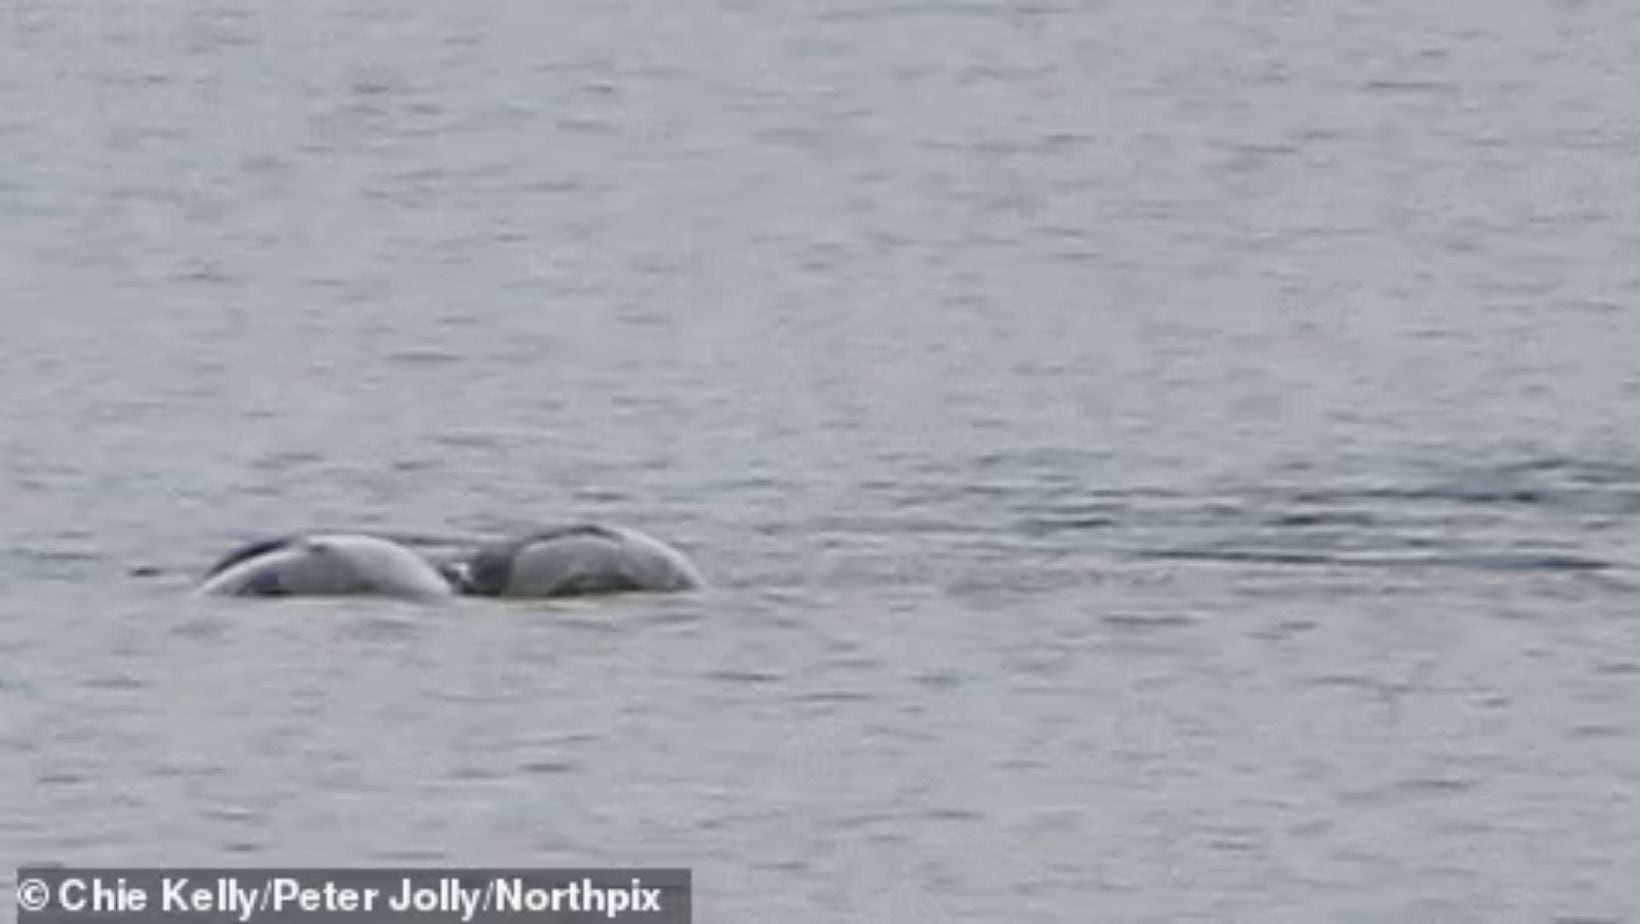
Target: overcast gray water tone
1154,461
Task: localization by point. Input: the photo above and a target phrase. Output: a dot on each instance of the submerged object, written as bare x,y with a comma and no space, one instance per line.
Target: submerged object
568,561
574,561
325,564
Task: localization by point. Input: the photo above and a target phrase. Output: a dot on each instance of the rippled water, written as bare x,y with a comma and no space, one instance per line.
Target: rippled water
1155,461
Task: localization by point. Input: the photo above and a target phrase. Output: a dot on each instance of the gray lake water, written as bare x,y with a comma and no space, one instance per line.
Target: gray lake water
1155,461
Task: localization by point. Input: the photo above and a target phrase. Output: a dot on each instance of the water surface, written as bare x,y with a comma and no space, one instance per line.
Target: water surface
1155,461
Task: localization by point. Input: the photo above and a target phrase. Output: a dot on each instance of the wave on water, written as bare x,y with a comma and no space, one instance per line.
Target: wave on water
1551,514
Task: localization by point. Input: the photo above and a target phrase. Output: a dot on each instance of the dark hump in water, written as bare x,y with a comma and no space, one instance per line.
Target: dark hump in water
248,551
490,569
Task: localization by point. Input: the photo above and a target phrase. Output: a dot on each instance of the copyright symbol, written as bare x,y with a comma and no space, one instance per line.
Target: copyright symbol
33,895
